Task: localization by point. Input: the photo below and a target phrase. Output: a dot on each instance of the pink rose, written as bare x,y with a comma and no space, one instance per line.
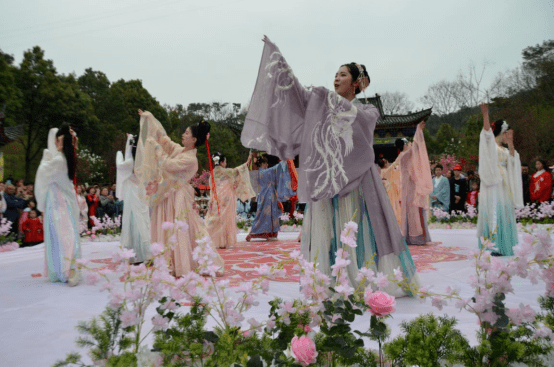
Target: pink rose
304,350
380,303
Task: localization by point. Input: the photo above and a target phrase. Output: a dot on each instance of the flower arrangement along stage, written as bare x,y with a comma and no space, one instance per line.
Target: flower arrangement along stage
104,230
8,241
316,329
291,223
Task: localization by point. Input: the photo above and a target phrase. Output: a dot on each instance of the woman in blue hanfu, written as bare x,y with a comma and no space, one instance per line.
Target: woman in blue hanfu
274,187
501,186
56,198
332,132
135,221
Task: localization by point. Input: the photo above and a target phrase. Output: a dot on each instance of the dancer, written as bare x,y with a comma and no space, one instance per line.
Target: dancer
393,186
501,192
332,132
135,221
440,197
417,185
56,198
540,186
231,183
165,168
274,187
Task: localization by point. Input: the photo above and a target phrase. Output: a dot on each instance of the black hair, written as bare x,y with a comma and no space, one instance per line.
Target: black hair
34,210
544,165
32,200
134,142
382,162
524,164
222,158
68,150
498,127
355,72
261,160
200,132
438,166
399,144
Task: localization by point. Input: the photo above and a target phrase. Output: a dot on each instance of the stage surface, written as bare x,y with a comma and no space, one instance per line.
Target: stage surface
38,318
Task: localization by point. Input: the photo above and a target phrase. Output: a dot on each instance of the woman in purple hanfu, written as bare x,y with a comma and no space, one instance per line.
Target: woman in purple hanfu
332,132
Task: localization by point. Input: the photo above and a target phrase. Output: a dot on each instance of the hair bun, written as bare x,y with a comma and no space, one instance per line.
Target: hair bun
200,132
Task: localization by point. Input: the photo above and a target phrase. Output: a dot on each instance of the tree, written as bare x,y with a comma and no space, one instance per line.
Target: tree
395,103
10,95
442,96
47,100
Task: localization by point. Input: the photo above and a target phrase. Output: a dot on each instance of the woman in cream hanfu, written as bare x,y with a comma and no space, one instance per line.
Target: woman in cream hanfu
231,183
135,221
415,173
165,169
56,198
501,186
393,185
332,132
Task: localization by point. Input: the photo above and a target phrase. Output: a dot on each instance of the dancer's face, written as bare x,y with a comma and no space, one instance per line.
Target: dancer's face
187,139
343,83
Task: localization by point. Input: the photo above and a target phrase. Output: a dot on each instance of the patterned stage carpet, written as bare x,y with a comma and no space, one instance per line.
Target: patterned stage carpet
242,260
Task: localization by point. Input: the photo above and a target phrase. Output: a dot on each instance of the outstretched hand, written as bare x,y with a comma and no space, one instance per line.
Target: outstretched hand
484,109
140,112
265,39
485,112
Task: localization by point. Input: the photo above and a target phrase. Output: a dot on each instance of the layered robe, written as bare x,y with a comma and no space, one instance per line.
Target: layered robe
441,189
417,184
500,193
221,219
337,175
57,200
160,160
135,221
540,186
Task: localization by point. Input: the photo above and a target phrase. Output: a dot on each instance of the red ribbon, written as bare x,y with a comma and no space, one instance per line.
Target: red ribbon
212,174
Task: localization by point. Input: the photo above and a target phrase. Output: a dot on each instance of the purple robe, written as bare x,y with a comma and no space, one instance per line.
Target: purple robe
332,136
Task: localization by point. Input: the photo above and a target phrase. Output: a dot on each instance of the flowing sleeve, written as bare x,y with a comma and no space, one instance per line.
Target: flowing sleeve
124,166
51,169
152,149
514,179
283,184
489,173
244,190
420,171
275,118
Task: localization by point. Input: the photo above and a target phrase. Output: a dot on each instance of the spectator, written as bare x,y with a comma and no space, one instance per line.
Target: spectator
470,179
118,203
448,174
14,205
3,205
93,201
458,190
201,200
540,185
440,197
525,179
31,204
107,202
82,203
33,229
473,195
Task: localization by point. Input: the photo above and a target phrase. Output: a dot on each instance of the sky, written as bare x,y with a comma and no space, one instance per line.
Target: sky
205,51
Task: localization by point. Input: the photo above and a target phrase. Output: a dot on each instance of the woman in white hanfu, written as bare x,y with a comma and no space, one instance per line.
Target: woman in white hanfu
332,132
165,169
501,186
135,221
56,198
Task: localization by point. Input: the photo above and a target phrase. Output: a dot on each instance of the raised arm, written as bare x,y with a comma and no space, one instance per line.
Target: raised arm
486,120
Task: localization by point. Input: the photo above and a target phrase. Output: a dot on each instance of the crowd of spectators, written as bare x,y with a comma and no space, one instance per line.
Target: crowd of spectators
18,206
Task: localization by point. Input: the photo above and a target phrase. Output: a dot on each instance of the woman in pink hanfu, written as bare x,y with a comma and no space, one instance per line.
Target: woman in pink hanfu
165,169
231,183
417,185
332,133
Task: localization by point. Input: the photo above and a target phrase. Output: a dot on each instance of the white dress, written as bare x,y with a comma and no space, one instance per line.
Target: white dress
57,199
500,193
135,221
